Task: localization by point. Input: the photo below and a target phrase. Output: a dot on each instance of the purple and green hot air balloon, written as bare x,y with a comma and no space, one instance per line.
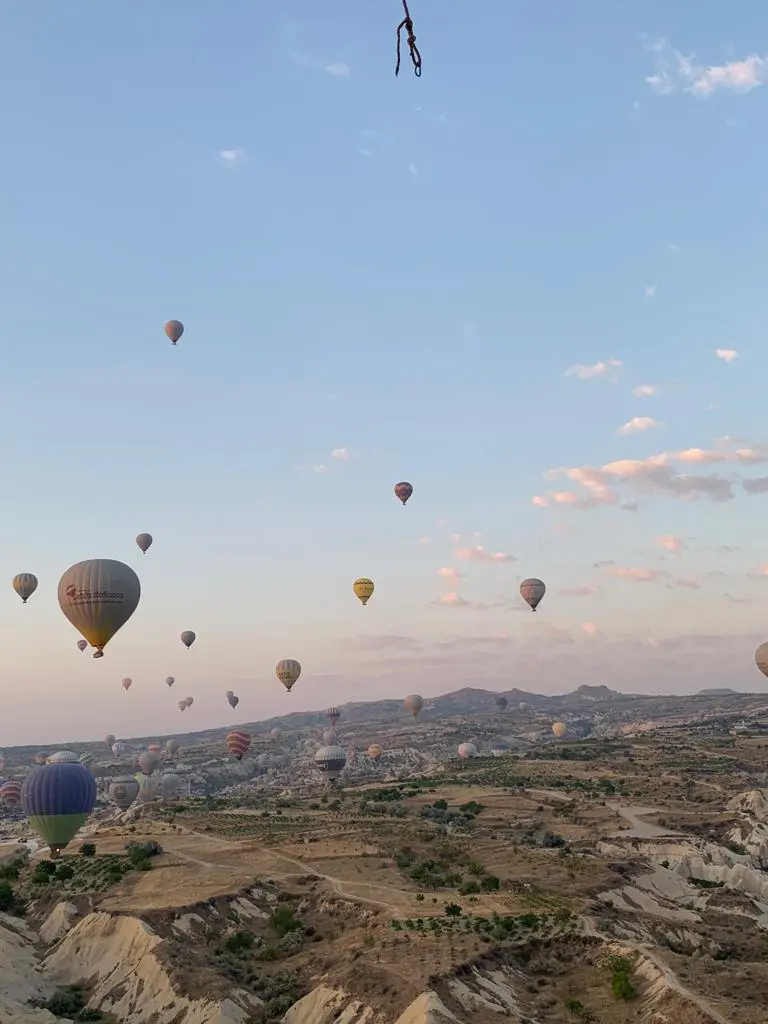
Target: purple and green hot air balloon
57,800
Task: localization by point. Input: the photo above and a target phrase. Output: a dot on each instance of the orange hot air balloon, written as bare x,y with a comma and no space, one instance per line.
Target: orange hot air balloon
174,329
238,743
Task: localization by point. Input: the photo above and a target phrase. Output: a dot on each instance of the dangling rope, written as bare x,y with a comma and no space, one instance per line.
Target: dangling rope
413,49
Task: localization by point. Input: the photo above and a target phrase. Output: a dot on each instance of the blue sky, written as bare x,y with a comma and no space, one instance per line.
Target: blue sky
404,270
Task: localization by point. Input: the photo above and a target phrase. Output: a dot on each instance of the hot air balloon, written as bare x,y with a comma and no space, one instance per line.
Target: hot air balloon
333,715
375,751
57,800
118,748
149,788
331,761
288,671
25,584
524,706
169,680
233,700
182,705
127,683
174,329
188,638
154,748
2,761
109,739
172,748
532,591
238,743
276,733
559,729
413,703
501,703
81,645
761,658
149,761
363,588
144,542
63,757
467,750
170,784
41,757
86,758
98,597
230,693
123,790
189,701
499,748
10,792
330,739
403,491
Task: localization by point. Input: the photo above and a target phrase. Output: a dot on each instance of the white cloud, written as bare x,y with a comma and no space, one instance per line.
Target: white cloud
644,390
726,354
449,573
599,369
675,71
412,168
637,425
586,590
340,453
539,501
479,554
338,69
232,157
650,291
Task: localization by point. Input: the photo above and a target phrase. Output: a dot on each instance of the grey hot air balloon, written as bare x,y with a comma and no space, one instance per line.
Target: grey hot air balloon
532,591
149,788
144,542
188,638
413,703
109,739
25,584
174,329
170,785
63,757
86,759
81,645
169,680
123,791
331,761
98,597
501,703
172,748
233,700
330,739
149,761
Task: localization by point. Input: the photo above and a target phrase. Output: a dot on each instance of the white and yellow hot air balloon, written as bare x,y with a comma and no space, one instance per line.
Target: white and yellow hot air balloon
25,584
363,588
98,597
559,729
288,672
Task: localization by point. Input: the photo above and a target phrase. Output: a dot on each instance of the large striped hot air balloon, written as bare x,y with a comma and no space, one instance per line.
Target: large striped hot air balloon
331,761
63,757
238,743
98,597
10,792
123,790
57,800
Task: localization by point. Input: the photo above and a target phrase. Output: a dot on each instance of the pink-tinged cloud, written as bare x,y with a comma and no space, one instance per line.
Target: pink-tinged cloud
589,628
644,390
639,575
726,354
454,600
539,501
478,553
425,540
599,369
671,543
637,425
449,573
586,590
689,584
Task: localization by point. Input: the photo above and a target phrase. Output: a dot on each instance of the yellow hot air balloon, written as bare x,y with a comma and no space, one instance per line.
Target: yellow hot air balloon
98,597
559,729
287,671
363,588
375,751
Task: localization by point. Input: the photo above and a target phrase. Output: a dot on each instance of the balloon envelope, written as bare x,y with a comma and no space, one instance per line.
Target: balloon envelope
288,671
57,800
144,541
127,683
149,761
98,597
233,700
169,680
174,329
188,638
118,748
363,588
467,750
63,757
25,584
403,491
109,739
82,644
238,743
171,747
501,703
331,761
532,591
413,703
761,658
559,729
10,792
123,791
375,751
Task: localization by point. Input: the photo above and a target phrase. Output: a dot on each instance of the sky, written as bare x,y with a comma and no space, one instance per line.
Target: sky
531,282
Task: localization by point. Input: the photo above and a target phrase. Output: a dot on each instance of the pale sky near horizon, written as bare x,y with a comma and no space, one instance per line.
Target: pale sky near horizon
534,273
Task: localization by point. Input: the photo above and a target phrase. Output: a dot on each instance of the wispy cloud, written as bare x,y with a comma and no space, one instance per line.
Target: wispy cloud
340,454
671,543
589,628
413,169
338,69
638,575
232,157
645,390
540,501
454,600
675,72
479,554
449,573
586,590
726,354
637,425
650,290
599,369
321,468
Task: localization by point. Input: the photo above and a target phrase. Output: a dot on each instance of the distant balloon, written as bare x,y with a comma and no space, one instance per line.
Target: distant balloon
761,658
144,541
276,733
532,591
123,790
172,747
467,750
413,703
363,588
82,644
333,715
331,761
169,680
10,792
375,751
57,800
86,758
174,329
524,706
118,748
288,672
127,683
149,761
63,757
233,700
109,739
154,748
330,739
189,701
403,491
559,729
182,705
25,584
149,788
229,693
98,597
238,743
170,784
501,703
41,757
188,638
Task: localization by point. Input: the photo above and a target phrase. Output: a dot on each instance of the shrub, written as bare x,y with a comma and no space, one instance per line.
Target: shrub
238,942
7,896
88,850
283,920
